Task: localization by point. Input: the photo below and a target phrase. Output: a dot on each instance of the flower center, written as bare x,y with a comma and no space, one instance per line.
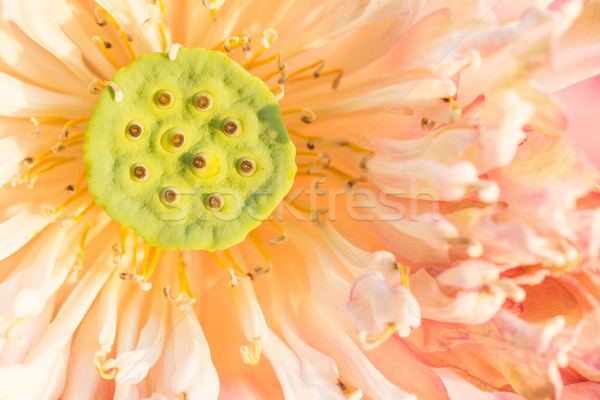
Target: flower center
189,152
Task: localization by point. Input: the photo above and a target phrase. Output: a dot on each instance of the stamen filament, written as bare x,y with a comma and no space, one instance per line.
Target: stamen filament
252,356
308,118
184,284
70,200
99,10
308,67
403,275
65,131
123,234
235,265
82,245
145,259
282,237
154,262
130,50
86,210
163,36
335,82
254,236
100,43
379,339
79,181
134,254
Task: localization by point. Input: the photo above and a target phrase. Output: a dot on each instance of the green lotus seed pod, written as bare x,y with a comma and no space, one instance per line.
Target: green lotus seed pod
195,154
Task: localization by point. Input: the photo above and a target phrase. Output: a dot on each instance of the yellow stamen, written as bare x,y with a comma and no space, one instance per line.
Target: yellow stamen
277,226
253,63
161,4
307,154
278,92
75,139
154,262
70,200
134,254
99,10
80,181
106,368
335,82
184,283
76,121
54,162
218,260
145,259
104,51
252,356
307,118
86,210
379,339
453,103
272,74
123,234
235,265
319,63
96,86
163,36
82,245
238,41
403,275
254,236
130,50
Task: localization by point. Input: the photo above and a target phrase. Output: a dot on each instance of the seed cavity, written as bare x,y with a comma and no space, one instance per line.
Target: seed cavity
205,165
203,101
173,140
214,201
134,130
164,99
232,127
140,172
246,166
170,196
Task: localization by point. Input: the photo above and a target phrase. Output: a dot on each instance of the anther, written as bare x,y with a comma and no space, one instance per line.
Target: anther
351,183
98,17
108,45
58,147
173,51
362,164
317,72
28,162
117,92
69,190
38,128
426,124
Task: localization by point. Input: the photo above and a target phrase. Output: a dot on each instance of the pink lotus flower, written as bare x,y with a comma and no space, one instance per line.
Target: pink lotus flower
443,226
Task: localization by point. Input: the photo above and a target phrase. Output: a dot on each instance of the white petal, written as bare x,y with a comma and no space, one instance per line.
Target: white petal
195,374
289,368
